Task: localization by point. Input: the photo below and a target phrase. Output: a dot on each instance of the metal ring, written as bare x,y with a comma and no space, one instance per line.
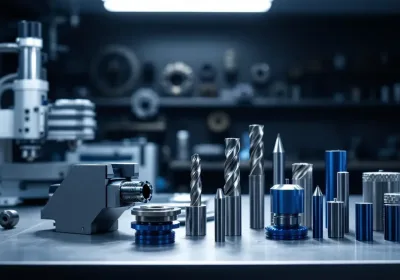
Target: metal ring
177,78
260,73
218,121
133,63
145,103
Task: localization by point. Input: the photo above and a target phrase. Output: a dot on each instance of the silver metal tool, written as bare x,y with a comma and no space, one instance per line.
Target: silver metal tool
219,209
9,219
335,211
233,203
302,175
182,145
93,196
256,178
278,156
318,213
343,195
375,185
196,213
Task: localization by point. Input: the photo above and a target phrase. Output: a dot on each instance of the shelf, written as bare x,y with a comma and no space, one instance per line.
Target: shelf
258,102
179,165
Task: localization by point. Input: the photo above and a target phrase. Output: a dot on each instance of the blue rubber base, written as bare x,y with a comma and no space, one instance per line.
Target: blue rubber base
154,233
276,233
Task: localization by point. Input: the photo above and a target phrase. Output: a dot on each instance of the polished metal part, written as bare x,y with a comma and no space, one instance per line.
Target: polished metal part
302,175
182,145
335,211
278,162
392,222
177,78
364,221
256,177
318,213
136,191
260,73
278,169
219,212
343,195
196,213
232,191
391,198
9,219
145,103
375,185
335,161
155,213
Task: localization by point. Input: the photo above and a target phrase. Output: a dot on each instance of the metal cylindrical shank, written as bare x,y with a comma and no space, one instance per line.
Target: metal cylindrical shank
392,222
196,214
364,221
302,175
256,178
375,185
219,212
233,204
136,191
335,161
335,211
343,195
278,162
318,210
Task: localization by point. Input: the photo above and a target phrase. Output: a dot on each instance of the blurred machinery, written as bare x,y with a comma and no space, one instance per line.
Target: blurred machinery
32,122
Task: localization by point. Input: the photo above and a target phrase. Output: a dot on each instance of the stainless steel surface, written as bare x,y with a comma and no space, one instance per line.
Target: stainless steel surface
196,220
196,214
302,175
256,178
286,220
155,213
30,62
195,181
219,210
278,162
9,219
35,241
375,185
343,195
335,216
232,191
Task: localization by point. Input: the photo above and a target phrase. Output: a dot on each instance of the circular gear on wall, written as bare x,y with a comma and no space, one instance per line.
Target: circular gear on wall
115,71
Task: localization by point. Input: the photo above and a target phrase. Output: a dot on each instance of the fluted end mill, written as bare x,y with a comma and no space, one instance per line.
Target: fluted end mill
232,165
195,181
256,149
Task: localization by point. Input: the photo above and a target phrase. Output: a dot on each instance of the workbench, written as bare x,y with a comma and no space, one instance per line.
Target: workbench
33,247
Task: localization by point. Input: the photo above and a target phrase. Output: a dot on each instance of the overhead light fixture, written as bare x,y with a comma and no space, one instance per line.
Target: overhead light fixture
188,6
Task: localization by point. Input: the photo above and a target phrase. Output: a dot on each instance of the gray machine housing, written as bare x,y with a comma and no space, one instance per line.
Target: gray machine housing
87,201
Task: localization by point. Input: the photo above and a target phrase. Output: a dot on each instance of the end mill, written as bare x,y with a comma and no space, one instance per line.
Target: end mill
233,207
256,177
196,213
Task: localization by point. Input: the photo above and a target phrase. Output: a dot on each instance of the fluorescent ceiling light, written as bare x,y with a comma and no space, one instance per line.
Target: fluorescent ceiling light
187,6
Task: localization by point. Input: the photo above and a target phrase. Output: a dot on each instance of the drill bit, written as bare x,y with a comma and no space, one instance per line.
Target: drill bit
232,165
256,177
279,162
233,204
256,149
219,210
195,181
318,217
196,214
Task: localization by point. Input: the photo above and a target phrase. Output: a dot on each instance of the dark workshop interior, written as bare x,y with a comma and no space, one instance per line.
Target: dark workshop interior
221,138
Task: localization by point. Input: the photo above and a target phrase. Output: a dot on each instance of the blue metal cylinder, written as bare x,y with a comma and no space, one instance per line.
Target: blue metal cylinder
364,221
392,222
318,216
287,199
335,161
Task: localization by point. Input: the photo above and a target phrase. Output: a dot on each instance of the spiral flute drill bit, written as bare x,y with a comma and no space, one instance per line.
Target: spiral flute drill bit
233,221
256,177
196,214
195,181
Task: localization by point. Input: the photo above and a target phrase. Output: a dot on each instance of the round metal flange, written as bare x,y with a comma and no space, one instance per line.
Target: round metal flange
177,78
145,103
